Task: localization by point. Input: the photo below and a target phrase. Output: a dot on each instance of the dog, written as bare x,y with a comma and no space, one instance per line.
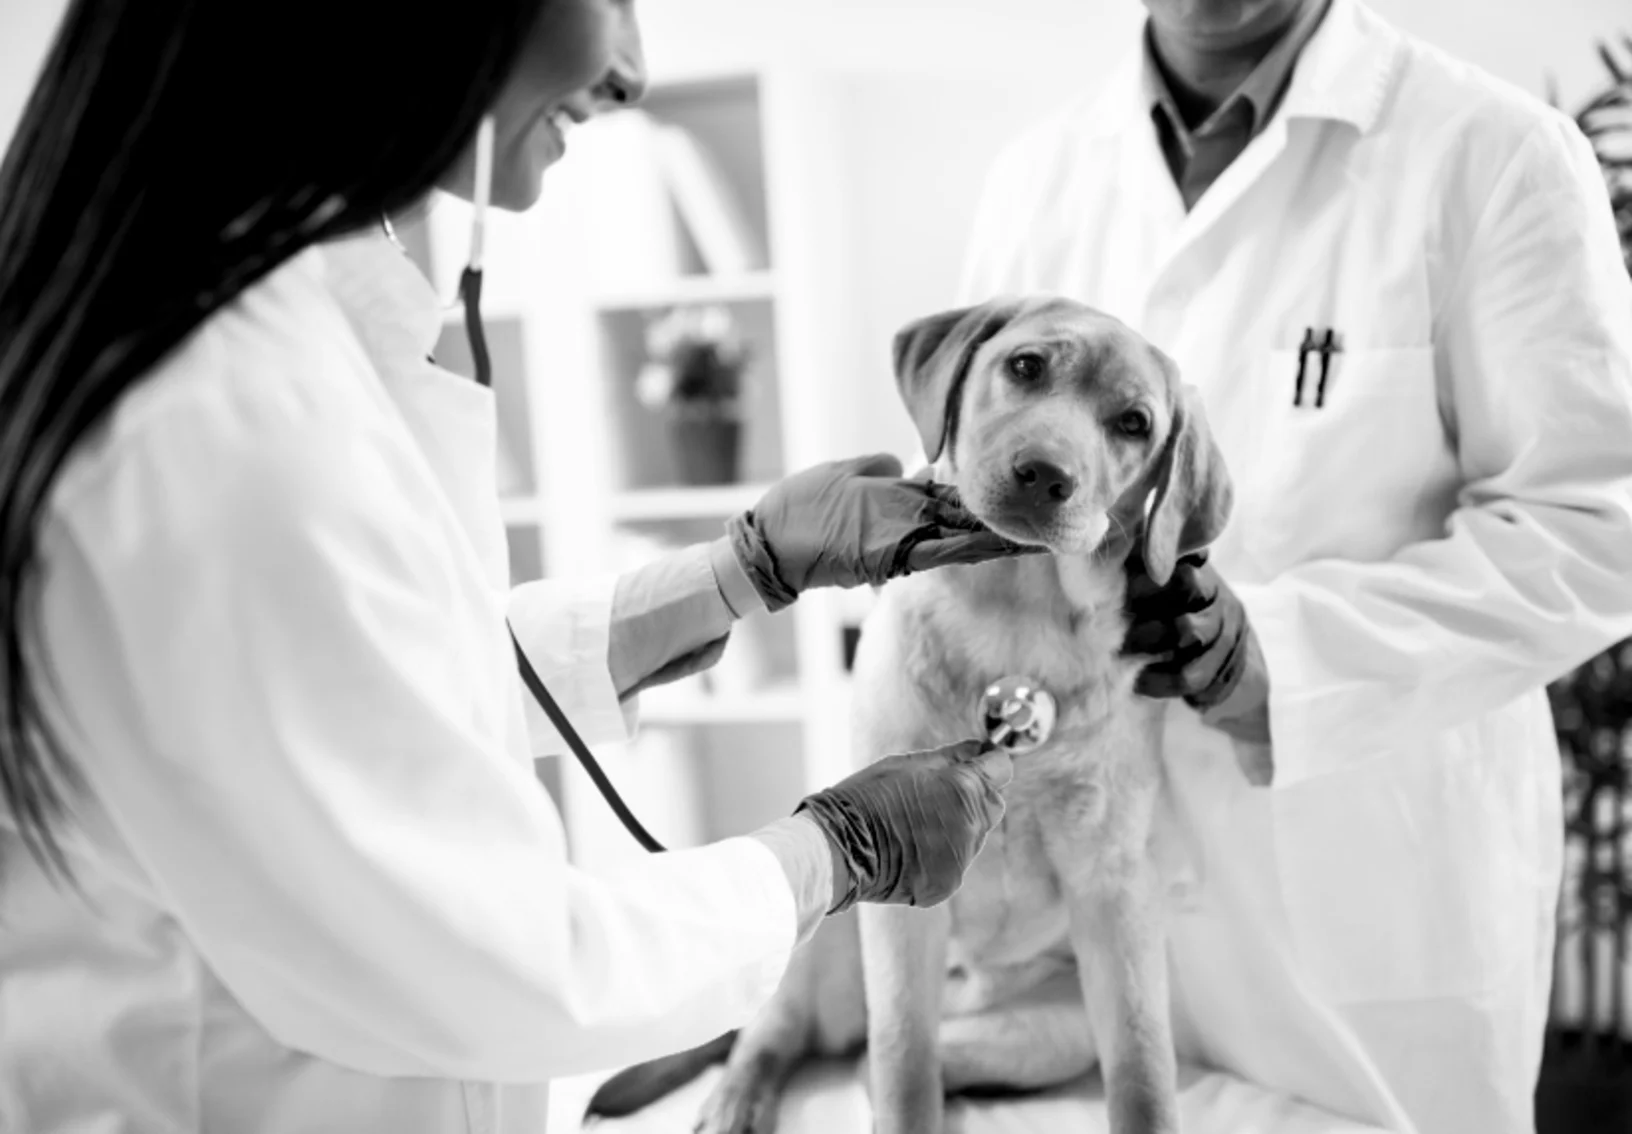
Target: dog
1061,428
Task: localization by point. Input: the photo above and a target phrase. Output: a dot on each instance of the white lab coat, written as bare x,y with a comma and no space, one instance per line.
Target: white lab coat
325,890
1418,557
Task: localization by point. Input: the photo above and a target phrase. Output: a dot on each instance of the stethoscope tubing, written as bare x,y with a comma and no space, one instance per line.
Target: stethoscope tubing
470,292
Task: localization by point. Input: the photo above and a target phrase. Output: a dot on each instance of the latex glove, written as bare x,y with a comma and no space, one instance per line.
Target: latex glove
855,522
1205,652
908,826
1194,627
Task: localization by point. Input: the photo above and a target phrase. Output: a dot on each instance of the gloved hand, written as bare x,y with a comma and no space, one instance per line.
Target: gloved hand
1206,653
855,522
1194,626
908,826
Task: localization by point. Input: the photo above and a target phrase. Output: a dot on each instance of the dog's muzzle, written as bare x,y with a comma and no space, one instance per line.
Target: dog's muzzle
1016,714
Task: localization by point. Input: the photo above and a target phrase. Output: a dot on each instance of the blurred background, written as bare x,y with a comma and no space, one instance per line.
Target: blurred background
705,300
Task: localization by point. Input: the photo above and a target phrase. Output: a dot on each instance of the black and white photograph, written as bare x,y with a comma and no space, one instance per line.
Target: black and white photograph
816,567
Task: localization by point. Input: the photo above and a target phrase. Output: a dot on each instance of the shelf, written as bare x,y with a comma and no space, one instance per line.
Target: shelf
520,510
692,289
672,705
647,504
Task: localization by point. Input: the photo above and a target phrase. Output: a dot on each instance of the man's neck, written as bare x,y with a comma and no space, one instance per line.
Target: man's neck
1201,74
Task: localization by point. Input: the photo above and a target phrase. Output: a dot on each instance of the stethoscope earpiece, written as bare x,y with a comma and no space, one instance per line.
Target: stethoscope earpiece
482,192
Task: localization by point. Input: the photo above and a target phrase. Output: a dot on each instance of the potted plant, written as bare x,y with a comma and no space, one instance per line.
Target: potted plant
693,376
1586,1079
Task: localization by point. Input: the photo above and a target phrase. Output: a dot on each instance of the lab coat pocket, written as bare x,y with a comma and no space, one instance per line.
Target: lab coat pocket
1350,468
1399,876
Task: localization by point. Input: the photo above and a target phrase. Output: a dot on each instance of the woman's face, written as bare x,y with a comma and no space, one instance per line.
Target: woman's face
582,56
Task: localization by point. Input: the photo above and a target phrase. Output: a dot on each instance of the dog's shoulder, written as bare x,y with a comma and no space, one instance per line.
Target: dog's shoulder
912,636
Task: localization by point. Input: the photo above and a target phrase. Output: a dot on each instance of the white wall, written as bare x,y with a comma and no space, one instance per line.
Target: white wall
25,32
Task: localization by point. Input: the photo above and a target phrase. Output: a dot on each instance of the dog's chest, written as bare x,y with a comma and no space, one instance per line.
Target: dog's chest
1058,824
951,642
1009,917
1009,909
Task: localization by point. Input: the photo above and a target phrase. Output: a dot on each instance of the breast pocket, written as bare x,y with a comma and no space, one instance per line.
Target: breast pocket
1353,464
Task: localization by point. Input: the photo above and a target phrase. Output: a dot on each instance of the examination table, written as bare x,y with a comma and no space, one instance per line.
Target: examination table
828,1098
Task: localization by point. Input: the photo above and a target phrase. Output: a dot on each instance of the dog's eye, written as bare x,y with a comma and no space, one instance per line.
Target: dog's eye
1026,367
1134,423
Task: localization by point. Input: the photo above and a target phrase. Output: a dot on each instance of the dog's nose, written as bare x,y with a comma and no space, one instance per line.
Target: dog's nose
1043,482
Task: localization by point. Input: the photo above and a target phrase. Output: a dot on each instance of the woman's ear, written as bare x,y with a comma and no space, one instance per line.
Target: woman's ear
932,358
1193,496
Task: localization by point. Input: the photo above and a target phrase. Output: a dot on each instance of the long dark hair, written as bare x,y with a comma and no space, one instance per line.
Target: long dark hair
172,153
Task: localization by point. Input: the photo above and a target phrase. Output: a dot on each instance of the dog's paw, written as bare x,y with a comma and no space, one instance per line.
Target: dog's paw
740,1104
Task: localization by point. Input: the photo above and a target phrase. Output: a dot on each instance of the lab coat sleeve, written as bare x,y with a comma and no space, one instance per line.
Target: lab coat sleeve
598,643
564,626
1532,575
289,707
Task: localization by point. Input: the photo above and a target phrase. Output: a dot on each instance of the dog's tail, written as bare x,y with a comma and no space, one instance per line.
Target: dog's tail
644,1083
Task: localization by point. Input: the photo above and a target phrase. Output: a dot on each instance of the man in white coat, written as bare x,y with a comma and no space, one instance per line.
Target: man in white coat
1396,286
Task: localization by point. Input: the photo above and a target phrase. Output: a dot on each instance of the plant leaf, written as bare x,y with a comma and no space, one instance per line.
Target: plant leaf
1611,62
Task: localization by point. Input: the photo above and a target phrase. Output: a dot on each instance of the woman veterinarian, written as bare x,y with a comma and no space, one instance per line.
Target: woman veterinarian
273,858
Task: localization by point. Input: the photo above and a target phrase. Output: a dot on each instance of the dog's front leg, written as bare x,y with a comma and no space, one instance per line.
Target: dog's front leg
1118,937
904,961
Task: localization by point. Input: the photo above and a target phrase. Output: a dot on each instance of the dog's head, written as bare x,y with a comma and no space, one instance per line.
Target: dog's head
1058,424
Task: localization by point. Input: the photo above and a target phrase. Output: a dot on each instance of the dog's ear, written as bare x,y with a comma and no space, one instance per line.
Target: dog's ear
1193,494
932,357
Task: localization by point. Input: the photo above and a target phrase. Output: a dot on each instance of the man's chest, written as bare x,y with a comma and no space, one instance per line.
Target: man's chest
1301,304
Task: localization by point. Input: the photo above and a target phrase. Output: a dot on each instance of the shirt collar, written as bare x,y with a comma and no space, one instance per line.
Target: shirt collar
1258,95
1343,74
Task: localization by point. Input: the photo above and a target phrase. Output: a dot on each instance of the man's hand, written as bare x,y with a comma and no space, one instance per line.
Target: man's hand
1202,647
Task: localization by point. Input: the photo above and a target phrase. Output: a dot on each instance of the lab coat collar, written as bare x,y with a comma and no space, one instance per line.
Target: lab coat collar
388,300
1347,68
395,313
1343,75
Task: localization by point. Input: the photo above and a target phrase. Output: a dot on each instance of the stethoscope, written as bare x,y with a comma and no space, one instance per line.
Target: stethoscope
1014,712
470,293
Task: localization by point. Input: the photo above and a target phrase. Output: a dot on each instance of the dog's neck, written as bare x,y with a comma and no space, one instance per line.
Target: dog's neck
1081,593
1068,588
1056,620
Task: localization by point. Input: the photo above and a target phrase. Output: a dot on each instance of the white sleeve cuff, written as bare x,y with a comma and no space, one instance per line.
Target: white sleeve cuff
740,597
802,850
564,627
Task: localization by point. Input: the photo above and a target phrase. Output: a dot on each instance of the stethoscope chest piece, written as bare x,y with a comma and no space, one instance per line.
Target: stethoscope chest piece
1016,714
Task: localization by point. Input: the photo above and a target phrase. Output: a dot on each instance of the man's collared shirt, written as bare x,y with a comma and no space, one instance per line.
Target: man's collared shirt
1196,157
